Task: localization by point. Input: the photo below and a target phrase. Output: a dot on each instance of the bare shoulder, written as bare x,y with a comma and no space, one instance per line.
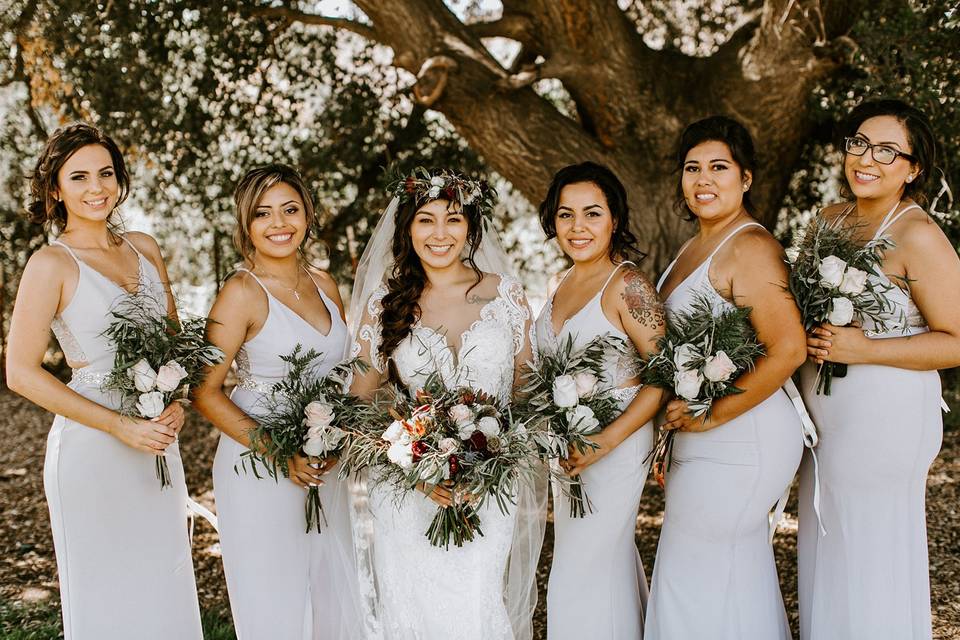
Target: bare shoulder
241,290
145,244
327,284
917,232
637,296
49,264
554,282
753,243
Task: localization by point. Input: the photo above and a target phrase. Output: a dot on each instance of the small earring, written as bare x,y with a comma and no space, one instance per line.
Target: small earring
746,187
909,178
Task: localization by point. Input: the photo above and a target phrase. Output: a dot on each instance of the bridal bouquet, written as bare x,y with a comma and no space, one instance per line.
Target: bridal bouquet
157,360
462,439
305,413
565,401
829,278
699,357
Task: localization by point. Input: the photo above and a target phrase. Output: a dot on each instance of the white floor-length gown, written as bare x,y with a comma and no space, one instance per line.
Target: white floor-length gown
430,593
123,553
284,583
880,430
714,575
597,587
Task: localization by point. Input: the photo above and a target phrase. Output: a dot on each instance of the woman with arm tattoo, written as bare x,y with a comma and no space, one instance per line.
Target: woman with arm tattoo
596,567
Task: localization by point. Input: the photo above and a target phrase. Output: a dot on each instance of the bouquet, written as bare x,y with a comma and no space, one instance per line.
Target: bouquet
699,357
461,438
157,360
304,413
564,399
829,278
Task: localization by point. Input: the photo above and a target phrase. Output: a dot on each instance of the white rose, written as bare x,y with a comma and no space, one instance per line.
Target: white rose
394,431
448,446
582,419
489,426
318,414
687,384
841,312
565,391
316,447
831,271
143,376
854,281
684,355
461,414
321,440
400,455
436,181
466,430
586,383
719,367
150,405
170,375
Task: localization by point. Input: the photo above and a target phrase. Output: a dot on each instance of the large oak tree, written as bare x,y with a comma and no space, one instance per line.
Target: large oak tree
631,100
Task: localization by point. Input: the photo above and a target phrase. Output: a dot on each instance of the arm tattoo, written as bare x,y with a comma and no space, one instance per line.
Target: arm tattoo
642,301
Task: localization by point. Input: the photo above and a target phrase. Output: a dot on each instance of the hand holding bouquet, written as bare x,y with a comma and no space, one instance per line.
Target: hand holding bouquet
304,414
829,278
461,438
564,403
700,357
157,360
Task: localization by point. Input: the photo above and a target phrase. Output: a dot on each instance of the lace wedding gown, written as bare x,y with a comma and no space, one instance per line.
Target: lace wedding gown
424,592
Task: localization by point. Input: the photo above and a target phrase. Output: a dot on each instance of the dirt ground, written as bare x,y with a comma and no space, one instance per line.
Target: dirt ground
28,569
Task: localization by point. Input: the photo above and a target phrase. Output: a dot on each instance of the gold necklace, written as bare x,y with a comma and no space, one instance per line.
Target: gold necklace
296,285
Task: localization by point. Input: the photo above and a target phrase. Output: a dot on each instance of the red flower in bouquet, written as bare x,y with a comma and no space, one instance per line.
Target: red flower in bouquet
418,448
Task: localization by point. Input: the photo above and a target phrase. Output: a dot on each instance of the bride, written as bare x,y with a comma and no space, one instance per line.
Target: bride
433,295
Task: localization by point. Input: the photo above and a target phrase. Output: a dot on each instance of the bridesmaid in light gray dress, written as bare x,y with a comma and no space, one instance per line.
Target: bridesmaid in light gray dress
283,581
714,576
597,586
880,427
123,552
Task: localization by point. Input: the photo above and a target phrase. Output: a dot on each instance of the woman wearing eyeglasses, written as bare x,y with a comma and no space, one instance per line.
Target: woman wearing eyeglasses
880,428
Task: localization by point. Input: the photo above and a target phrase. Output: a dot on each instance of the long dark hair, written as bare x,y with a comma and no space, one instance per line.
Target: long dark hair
623,244
716,129
923,144
401,304
44,208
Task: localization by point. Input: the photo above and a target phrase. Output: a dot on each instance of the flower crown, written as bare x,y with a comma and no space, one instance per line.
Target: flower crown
423,184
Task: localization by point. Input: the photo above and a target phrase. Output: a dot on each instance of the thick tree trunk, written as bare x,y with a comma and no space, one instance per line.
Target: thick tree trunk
632,102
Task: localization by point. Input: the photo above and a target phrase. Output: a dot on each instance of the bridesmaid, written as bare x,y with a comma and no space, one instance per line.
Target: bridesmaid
881,427
596,567
123,552
714,575
283,582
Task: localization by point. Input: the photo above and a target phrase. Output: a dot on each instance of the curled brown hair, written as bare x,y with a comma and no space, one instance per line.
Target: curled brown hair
44,207
250,191
401,306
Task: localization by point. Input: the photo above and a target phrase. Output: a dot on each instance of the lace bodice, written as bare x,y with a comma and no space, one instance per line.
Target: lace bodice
423,591
488,348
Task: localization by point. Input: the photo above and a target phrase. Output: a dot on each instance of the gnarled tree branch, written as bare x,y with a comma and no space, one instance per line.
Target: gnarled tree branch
292,15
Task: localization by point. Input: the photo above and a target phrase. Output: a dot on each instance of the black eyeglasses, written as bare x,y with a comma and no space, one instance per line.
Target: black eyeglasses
879,152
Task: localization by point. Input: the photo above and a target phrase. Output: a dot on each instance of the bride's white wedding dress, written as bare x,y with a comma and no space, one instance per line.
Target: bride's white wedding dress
478,590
